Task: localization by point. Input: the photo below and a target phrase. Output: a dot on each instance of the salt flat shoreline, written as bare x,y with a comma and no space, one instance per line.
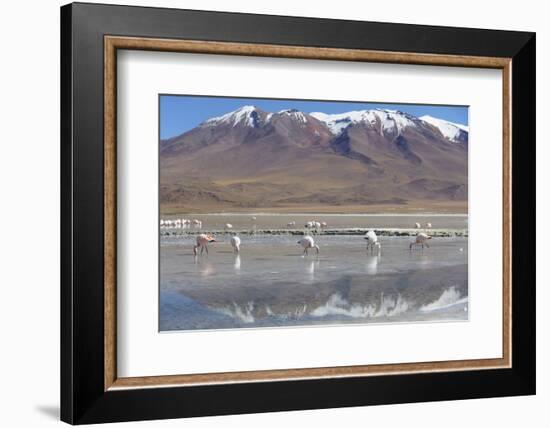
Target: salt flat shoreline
436,233
420,208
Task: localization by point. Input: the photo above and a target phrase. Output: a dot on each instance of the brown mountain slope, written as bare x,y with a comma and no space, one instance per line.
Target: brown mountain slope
250,159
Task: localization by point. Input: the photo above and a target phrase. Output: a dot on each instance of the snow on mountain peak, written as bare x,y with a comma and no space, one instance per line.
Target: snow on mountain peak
245,114
390,120
296,114
450,130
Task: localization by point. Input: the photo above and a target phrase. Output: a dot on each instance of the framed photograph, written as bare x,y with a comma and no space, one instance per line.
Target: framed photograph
266,213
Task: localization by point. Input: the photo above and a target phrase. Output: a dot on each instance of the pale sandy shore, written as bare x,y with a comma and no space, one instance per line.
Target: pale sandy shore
414,207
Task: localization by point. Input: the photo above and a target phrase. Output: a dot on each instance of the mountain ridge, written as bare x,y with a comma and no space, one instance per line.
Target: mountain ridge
250,158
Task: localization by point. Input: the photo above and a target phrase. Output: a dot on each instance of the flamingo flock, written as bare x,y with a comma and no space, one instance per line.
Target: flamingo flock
312,224
307,242
180,223
419,226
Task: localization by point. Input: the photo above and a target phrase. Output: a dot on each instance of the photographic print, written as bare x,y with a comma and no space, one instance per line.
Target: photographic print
283,213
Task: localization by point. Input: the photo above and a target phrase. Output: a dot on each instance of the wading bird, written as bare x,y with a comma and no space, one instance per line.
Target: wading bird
307,242
420,239
428,225
202,243
235,243
228,226
372,241
417,226
291,224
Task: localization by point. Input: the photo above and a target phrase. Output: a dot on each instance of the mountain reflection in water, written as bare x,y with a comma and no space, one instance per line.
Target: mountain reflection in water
269,284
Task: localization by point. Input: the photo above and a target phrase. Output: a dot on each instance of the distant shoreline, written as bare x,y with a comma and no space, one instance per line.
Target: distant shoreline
451,208
355,231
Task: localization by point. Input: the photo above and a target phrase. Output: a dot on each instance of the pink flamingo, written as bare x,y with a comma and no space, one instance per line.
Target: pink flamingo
308,242
202,241
421,239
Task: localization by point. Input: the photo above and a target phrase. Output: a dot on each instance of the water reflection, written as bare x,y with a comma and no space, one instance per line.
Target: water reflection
237,263
371,264
408,295
277,287
204,266
310,266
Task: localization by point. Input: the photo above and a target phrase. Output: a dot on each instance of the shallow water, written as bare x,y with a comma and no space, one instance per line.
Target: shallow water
270,283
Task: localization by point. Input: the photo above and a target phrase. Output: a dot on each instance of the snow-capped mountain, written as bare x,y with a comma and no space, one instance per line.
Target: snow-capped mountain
452,131
252,117
392,121
387,120
252,158
247,115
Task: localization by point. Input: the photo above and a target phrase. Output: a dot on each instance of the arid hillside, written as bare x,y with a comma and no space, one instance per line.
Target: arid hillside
290,161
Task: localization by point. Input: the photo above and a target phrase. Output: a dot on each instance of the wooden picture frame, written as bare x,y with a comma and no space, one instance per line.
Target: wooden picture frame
91,390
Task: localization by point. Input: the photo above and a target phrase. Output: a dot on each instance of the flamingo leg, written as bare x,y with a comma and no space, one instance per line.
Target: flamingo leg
206,247
202,250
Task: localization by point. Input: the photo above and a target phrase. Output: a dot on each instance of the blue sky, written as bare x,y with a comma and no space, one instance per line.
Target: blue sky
180,113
